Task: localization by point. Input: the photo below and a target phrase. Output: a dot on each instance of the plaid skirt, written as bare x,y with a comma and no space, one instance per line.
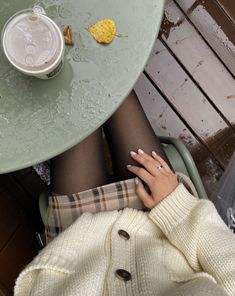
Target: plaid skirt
63,210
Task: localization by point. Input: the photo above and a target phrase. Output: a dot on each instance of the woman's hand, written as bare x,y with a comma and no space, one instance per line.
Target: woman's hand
155,172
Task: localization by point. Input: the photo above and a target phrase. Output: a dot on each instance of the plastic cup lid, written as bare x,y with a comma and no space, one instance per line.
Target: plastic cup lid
31,41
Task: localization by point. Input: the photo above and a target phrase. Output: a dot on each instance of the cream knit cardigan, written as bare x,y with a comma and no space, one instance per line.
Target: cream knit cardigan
181,247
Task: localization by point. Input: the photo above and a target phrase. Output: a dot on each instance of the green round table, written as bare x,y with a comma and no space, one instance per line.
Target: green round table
42,118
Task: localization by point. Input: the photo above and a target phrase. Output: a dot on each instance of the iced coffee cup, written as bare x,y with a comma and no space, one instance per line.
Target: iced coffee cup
33,44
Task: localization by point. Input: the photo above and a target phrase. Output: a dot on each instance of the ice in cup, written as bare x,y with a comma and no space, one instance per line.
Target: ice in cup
33,44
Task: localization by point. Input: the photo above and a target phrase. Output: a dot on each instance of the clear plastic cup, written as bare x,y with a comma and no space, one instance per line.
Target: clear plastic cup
33,44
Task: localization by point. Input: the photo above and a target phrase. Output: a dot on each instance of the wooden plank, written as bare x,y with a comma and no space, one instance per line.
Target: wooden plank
229,8
10,217
20,250
200,61
3,291
217,29
2,187
166,122
24,200
18,223
190,103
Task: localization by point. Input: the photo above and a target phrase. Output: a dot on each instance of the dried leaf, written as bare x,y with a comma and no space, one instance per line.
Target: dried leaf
68,35
104,31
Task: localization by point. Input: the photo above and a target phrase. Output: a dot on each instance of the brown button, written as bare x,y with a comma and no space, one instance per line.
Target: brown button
123,275
123,234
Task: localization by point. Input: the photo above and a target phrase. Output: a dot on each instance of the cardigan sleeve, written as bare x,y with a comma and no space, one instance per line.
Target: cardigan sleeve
196,229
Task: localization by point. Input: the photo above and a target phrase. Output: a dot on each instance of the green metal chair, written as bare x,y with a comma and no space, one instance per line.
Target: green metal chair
180,159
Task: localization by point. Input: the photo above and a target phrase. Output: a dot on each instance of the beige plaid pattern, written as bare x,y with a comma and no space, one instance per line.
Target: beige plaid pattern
63,210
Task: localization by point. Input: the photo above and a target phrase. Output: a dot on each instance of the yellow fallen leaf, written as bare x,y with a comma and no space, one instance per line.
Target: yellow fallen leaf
104,31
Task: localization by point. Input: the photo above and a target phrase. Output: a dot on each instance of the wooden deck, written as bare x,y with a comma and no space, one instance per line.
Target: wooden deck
187,91
19,220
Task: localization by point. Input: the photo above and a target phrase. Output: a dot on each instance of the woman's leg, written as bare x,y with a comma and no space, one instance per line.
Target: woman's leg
129,129
80,168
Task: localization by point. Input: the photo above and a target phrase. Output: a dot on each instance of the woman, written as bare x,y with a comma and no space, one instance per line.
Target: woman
179,246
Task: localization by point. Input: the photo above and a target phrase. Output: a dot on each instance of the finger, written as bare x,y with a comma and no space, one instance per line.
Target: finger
143,194
148,157
146,161
161,161
142,174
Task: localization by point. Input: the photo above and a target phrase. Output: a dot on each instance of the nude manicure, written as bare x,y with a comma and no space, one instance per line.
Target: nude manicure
140,151
132,153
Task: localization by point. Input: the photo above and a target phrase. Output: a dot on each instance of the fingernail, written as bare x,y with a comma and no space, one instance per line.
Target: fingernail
128,166
154,153
136,181
132,153
140,151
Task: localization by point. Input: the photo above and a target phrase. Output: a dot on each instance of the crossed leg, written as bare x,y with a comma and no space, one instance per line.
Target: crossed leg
83,166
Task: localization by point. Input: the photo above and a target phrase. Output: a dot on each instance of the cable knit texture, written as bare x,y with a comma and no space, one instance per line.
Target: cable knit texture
179,248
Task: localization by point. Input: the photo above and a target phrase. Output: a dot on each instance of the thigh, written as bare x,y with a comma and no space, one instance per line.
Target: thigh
80,168
129,129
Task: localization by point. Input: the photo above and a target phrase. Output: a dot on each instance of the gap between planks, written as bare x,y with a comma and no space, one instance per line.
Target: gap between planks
229,8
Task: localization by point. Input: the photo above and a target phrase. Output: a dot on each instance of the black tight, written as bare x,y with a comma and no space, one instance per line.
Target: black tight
83,166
